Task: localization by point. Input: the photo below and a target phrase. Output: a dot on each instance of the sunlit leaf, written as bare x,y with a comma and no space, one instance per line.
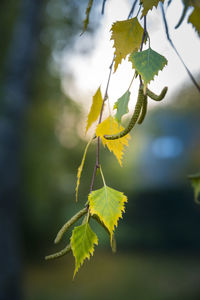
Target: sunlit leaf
147,63
109,127
122,106
108,205
149,4
195,181
82,243
194,19
95,109
127,36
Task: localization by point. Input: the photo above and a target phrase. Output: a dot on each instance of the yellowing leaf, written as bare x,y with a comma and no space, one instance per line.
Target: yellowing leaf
147,63
109,127
148,5
82,243
80,168
95,109
108,205
87,12
194,19
122,106
195,180
127,36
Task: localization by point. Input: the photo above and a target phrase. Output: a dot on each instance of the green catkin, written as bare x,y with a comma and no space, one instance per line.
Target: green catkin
157,97
133,120
66,226
143,111
60,253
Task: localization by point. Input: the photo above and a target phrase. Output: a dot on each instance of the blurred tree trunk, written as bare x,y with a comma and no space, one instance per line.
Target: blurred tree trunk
16,94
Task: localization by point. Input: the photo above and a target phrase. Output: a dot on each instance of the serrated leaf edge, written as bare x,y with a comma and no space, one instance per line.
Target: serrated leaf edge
89,254
122,210
155,74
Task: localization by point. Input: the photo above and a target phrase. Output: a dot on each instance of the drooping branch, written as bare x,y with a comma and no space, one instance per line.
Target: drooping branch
97,163
177,53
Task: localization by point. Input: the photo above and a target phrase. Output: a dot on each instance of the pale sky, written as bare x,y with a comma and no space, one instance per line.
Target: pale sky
91,71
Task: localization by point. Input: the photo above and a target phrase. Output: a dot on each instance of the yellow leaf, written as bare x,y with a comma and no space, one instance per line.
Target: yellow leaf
109,127
108,205
194,19
80,168
87,12
95,109
148,5
127,36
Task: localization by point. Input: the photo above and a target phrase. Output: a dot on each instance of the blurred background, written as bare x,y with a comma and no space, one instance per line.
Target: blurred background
48,74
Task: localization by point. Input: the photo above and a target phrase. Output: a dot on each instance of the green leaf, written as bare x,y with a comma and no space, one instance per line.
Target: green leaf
108,205
82,243
195,181
127,36
194,19
147,63
122,106
148,5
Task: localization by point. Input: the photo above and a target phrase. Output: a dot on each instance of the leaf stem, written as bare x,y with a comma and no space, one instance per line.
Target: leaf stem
96,167
131,81
104,183
142,42
144,33
139,10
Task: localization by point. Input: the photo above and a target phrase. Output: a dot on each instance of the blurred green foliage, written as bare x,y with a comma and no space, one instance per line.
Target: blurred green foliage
52,146
126,275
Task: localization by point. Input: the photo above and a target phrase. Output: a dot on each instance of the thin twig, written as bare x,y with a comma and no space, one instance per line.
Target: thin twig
177,53
132,81
132,9
144,33
96,167
142,42
103,7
